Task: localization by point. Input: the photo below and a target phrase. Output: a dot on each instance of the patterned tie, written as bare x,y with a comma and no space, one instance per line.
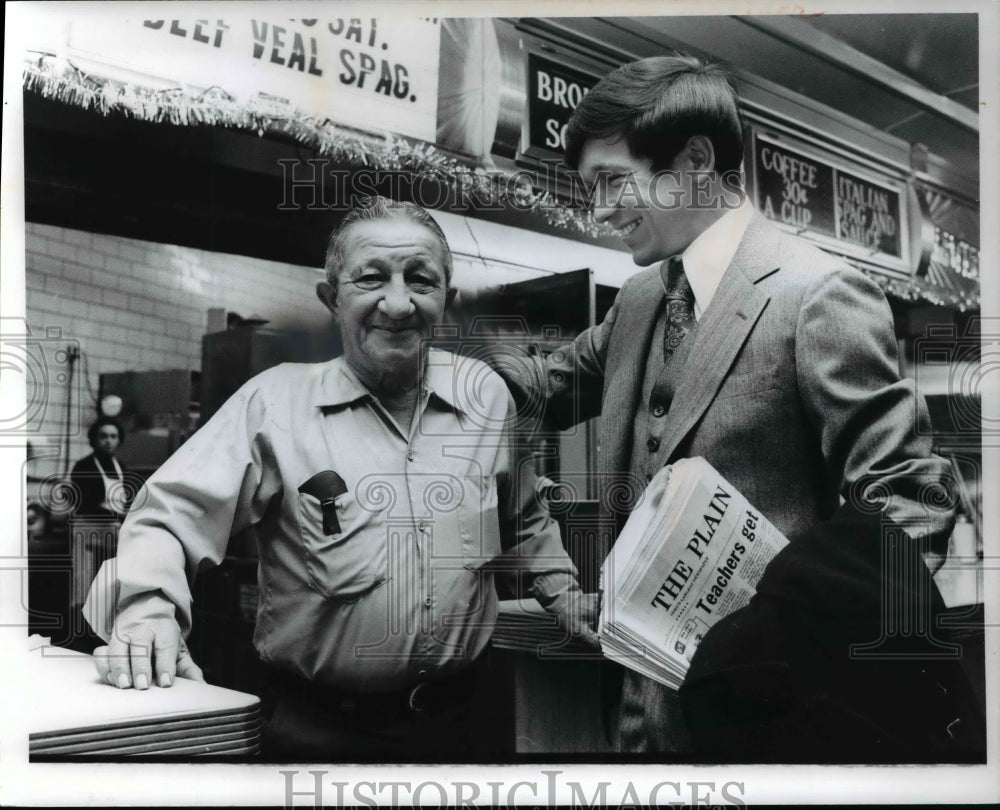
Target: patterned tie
680,305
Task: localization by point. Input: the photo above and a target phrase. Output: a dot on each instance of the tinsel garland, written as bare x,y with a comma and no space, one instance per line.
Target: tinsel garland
216,107
908,290
60,80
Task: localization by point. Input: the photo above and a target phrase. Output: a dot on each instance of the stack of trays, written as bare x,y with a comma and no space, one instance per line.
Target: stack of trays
522,624
72,713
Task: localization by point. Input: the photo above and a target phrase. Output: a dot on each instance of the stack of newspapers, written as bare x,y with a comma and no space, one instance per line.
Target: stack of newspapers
523,624
691,552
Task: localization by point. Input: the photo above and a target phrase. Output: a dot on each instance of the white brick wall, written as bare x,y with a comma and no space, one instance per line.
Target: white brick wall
143,306
140,306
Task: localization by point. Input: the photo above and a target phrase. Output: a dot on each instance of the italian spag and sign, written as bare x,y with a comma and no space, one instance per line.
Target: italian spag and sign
811,193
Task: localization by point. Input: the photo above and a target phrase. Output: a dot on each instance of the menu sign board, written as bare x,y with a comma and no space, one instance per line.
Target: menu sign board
794,189
554,91
374,73
868,215
814,195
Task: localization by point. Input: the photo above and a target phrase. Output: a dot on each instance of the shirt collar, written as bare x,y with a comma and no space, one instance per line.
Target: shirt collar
339,385
446,378
709,255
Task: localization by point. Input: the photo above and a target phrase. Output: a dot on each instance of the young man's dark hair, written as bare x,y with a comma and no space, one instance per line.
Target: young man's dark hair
656,104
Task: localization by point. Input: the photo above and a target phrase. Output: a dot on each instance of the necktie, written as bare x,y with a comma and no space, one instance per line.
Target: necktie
680,305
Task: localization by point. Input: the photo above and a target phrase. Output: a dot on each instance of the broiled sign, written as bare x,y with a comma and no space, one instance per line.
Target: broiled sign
553,93
814,196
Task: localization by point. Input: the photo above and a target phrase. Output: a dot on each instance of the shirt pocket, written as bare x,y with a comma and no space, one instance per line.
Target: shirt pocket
348,563
479,521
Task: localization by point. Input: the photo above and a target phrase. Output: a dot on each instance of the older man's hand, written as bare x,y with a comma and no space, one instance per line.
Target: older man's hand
139,652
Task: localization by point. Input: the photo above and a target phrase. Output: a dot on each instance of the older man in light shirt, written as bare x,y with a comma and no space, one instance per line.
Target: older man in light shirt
385,489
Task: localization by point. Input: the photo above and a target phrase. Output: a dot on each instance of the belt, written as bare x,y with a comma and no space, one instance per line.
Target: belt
425,697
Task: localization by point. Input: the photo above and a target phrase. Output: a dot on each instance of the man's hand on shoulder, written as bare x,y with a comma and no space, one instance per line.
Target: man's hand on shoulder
514,363
149,652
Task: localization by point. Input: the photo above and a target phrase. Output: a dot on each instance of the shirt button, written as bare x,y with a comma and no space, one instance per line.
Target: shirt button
409,455
422,673
427,601
422,526
653,444
659,410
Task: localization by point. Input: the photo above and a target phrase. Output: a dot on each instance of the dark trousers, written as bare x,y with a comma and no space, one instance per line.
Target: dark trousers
306,722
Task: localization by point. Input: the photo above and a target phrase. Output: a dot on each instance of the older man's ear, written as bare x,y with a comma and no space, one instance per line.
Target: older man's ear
327,293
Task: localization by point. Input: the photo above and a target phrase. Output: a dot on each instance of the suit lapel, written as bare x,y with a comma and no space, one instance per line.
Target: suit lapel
722,331
628,357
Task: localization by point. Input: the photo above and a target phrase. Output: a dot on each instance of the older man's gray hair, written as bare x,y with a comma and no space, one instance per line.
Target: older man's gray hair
373,208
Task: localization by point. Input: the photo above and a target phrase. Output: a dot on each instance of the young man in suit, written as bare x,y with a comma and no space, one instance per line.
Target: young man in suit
776,362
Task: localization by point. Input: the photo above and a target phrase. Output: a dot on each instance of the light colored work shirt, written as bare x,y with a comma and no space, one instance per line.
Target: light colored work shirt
402,589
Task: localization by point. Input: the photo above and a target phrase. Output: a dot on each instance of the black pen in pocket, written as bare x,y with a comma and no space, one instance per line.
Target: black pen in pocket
326,487
331,524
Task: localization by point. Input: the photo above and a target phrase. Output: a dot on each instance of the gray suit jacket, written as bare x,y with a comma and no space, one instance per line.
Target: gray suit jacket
792,391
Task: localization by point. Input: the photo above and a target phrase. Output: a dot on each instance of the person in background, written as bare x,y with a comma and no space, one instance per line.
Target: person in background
777,363
99,480
101,489
386,492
